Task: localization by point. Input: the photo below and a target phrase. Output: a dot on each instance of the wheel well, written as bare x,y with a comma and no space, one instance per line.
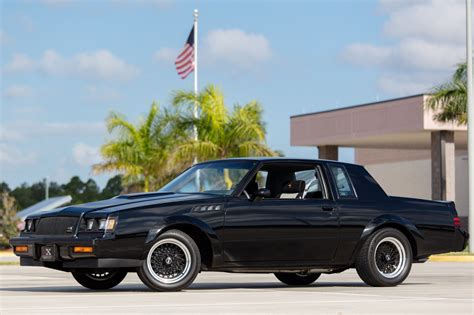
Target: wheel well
199,237
405,231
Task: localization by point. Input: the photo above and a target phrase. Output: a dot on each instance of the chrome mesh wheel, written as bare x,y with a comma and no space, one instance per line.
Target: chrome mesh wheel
390,257
169,261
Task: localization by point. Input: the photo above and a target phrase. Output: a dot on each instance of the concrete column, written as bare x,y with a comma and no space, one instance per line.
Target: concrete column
443,165
329,152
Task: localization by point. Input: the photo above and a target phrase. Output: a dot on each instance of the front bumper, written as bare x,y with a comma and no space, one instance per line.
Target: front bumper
65,259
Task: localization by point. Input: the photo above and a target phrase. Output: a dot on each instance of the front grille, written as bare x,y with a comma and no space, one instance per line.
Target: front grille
56,226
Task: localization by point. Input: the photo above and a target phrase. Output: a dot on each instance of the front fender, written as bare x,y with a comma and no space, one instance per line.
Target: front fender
389,220
176,220
184,222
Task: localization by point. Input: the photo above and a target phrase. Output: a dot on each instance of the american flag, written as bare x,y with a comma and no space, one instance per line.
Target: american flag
185,61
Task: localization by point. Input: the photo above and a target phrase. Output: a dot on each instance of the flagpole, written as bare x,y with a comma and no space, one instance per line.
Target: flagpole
195,112
196,91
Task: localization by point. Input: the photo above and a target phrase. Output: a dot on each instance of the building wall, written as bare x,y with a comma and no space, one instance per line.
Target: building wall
407,173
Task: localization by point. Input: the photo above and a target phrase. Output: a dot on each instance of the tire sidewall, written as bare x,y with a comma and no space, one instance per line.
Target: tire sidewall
86,281
295,279
374,241
148,279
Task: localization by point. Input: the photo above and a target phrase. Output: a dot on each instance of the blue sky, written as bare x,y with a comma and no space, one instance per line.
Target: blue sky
66,64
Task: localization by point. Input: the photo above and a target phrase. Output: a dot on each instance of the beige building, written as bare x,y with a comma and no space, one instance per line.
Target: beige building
399,142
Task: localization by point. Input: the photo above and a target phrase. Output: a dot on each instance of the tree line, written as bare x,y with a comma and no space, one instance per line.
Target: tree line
27,195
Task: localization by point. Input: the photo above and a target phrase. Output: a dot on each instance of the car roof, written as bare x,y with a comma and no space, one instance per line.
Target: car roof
277,159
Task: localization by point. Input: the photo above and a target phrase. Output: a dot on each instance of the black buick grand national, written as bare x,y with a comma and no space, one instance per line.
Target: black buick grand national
294,218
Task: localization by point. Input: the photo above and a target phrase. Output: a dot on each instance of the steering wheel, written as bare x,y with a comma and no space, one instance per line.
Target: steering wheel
246,194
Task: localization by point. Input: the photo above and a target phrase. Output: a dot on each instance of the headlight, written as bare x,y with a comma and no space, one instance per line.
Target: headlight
89,224
102,223
99,225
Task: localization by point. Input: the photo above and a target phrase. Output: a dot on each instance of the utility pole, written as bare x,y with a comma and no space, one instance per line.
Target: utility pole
470,123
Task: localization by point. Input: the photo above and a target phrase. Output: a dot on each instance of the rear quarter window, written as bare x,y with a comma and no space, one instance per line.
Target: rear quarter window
344,187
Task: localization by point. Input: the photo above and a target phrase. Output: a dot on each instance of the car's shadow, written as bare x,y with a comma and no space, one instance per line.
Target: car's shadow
196,287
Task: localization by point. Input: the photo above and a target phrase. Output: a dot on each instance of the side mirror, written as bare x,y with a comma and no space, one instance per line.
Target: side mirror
262,193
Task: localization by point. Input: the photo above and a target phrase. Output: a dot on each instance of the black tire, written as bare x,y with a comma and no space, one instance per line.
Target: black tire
385,258
159,274
101,280
296,278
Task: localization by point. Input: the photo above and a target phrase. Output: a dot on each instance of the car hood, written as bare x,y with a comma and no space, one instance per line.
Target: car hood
130,201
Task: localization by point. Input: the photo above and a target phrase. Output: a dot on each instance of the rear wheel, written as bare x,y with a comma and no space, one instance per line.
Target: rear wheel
385,258
100,280
172,263
297,278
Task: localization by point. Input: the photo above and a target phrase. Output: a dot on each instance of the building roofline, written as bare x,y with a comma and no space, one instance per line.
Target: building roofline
359,105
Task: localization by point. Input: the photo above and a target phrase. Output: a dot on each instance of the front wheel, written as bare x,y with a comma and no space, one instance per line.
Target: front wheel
297,278
100,280
385,258
172,263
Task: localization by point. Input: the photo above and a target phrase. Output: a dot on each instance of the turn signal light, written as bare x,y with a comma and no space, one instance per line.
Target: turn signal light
21,249
82,249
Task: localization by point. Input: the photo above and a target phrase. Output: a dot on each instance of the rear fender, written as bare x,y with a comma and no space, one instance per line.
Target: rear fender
405,226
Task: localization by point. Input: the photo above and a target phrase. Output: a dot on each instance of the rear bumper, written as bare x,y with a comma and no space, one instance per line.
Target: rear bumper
461,240
64,257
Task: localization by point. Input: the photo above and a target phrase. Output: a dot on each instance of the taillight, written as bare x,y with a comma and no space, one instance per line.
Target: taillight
457,222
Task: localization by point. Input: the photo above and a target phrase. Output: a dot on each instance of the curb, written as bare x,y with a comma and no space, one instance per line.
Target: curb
460,258
7,253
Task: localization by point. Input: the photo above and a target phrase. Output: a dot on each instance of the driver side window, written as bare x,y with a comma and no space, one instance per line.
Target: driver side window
289,181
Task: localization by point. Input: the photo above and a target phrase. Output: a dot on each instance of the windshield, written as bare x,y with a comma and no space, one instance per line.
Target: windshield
215,177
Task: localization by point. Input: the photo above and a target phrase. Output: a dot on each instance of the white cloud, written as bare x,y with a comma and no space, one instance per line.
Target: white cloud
99,64
86,155
165,55
19,63
17,91
12,156
7,134
441,20
237,48
428,41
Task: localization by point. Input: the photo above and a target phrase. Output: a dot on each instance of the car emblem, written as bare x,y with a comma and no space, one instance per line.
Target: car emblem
69,229
48,252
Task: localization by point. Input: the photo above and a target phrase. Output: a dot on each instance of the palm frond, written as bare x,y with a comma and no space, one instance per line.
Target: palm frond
449,100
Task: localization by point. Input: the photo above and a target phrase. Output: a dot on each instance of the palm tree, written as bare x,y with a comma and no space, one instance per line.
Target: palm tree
451,98
143,151
221,134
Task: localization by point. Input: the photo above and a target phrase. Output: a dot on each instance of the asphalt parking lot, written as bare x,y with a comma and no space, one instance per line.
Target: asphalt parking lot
432,288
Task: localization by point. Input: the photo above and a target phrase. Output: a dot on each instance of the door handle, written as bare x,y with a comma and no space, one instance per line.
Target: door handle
328,208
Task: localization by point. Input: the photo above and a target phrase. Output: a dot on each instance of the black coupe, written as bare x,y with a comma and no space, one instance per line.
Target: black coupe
291,217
